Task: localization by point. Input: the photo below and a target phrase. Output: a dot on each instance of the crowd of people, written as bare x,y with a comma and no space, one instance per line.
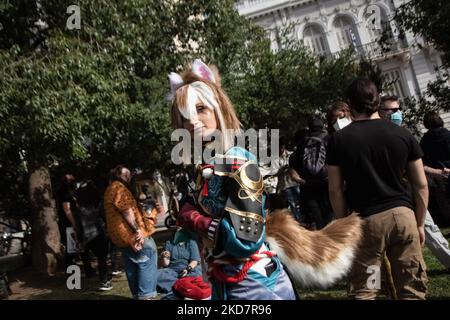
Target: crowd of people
359,159
122,219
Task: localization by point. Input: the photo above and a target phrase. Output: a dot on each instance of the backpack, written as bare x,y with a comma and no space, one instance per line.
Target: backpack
90,222
309,161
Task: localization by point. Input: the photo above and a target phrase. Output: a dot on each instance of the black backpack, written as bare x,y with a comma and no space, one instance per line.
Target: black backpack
309,158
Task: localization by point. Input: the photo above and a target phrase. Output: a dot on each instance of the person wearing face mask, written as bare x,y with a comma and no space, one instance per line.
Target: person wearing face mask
338,117
390,109
366,161
434,239
245,248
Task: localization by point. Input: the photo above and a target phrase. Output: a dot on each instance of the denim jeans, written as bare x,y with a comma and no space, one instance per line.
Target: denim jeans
293,197
141,269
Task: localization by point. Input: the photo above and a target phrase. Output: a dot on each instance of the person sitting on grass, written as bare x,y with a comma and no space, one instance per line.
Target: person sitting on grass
180,258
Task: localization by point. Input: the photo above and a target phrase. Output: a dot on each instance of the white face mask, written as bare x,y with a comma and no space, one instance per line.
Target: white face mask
341,123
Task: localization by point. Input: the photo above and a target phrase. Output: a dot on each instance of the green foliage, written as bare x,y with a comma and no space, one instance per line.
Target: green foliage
282,89
429,19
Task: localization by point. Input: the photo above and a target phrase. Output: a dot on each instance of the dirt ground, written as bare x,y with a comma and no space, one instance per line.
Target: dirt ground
25,284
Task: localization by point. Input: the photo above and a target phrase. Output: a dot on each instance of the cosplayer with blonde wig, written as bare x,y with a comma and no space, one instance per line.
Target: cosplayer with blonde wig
249,255
199,83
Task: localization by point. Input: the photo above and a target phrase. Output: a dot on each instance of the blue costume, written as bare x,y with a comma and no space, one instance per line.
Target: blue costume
240,263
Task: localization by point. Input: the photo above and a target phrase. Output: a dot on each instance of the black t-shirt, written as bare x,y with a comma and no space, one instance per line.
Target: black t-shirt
373,156
436,147
65,195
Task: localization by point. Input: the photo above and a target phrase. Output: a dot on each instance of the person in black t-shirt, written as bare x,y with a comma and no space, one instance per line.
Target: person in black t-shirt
435,144
309,162
93,235
67,205
66,202
369,157
434,239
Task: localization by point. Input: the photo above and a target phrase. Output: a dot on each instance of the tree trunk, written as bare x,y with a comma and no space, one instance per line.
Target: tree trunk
46,246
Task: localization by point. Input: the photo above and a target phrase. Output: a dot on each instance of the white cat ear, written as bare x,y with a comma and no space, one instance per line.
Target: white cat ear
175,82
202,70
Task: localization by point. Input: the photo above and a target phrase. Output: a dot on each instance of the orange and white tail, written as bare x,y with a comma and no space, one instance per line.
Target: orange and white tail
314,258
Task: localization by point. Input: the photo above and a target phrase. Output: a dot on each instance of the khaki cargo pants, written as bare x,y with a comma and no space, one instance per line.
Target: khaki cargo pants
393,231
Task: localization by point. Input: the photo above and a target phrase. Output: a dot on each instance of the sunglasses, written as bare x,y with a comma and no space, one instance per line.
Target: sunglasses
394,110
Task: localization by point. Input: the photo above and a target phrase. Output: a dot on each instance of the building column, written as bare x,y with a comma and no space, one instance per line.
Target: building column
332,41
363,33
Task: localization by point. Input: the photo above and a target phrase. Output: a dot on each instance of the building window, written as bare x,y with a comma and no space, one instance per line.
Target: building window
346,33
315,39
394,79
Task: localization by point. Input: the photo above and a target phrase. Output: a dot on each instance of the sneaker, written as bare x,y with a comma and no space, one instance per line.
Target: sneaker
105,286
116,272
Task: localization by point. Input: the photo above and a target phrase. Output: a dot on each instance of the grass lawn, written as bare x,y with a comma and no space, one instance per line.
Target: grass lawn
26,285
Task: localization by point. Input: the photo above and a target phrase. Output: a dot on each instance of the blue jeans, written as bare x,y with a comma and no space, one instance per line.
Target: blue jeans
293,197
141,269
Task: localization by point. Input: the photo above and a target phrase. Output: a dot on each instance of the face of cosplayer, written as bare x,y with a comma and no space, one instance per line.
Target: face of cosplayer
203,124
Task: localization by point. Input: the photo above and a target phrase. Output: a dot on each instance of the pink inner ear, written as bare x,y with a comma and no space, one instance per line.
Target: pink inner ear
205,74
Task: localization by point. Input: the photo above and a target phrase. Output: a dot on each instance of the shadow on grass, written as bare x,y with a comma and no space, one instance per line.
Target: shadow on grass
27,285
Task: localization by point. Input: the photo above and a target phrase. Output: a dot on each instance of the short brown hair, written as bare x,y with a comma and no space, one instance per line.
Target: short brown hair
389,98
432,120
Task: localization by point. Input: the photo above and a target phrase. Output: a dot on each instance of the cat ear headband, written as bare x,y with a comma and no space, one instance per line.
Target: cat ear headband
199,68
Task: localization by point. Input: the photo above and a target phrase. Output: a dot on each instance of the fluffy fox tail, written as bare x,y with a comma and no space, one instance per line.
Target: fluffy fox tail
314,258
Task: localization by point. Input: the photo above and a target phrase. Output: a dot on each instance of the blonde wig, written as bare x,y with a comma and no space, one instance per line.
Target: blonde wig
199,81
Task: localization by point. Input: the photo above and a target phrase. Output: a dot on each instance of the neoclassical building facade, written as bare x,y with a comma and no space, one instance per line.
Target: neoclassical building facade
329,26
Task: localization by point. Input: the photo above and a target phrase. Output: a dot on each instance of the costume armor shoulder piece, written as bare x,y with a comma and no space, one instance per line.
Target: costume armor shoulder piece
243,222
231,191
212,176
245,201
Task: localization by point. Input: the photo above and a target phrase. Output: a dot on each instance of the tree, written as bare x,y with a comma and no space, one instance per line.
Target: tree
292,83
84,98
429,19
